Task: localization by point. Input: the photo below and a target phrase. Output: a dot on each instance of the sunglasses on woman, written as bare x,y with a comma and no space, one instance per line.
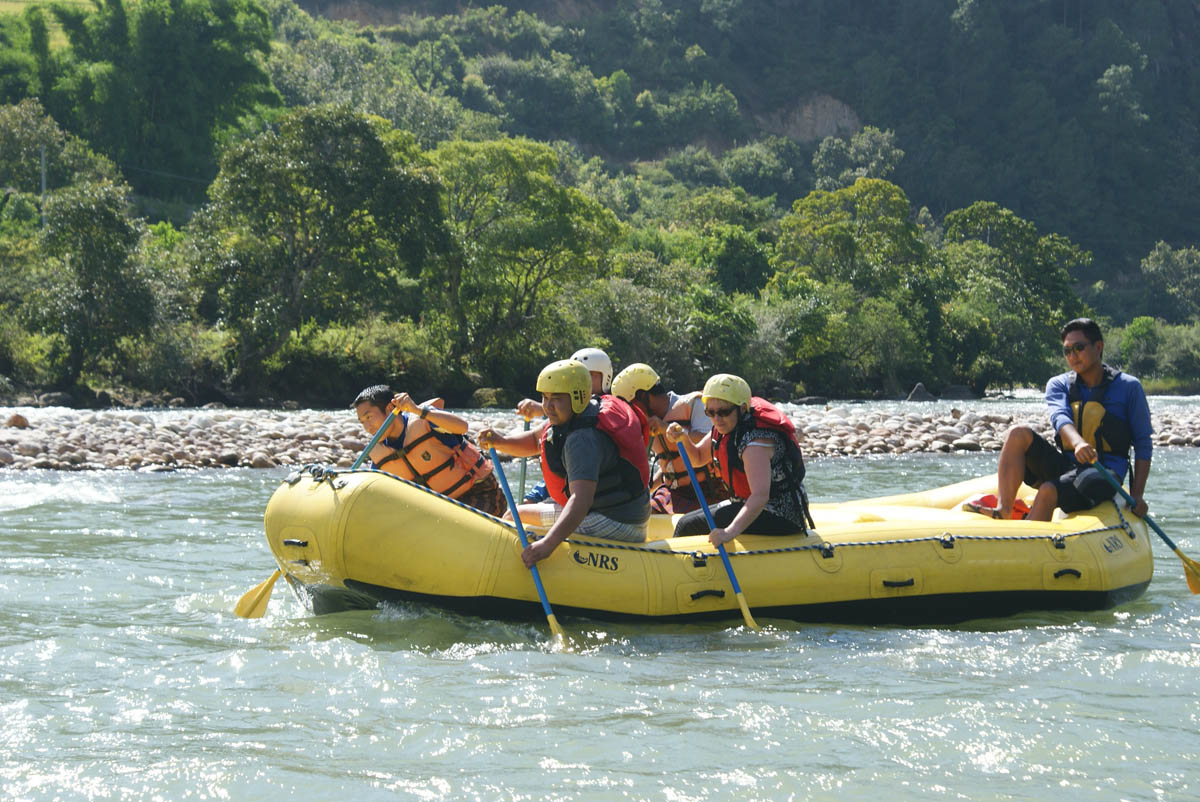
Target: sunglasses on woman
719,413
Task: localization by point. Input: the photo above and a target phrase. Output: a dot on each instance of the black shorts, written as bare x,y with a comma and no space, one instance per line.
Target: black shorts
1079,487
767,523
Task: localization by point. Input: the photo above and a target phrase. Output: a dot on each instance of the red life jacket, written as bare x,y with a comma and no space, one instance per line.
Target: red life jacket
762,415
620,423
642,420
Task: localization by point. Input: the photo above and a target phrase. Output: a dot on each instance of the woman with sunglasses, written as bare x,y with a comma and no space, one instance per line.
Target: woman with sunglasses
754,444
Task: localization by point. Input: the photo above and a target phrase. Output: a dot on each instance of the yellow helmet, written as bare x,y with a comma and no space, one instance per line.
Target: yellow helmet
726,387
638,376
567,376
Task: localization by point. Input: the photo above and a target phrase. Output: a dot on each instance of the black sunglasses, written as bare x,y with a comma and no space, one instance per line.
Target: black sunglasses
1074,348
719,413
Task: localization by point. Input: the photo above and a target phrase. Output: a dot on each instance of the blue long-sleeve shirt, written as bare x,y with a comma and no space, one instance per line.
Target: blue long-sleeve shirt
1124,399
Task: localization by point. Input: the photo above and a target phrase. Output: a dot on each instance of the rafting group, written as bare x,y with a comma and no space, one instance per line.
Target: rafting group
610,450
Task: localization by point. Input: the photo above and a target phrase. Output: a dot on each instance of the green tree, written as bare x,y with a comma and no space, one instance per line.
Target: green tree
25,129
866,256
862,235
870,153
1018,280
349,71
18,73
1037,268
1139,346
154,85
773,166
97,291
519,236
327,219
1174,274
737,259
695,166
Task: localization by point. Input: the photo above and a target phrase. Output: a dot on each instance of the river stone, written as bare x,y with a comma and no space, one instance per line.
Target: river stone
6,457
17,421
919,393
260,460
1177,440
229,458
56,400
966,444
28,449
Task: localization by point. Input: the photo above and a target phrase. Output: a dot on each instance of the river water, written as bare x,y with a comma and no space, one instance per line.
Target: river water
125,675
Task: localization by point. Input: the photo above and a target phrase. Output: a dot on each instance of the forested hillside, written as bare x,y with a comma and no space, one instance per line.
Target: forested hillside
245,201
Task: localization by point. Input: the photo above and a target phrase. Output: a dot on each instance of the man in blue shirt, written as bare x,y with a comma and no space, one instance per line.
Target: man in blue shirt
1099,413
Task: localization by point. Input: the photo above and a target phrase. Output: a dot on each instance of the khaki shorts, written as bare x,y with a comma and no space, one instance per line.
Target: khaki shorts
594,524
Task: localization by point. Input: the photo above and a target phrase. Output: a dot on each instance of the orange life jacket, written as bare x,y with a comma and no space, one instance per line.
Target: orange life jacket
762,415
666,454
447,463
620,423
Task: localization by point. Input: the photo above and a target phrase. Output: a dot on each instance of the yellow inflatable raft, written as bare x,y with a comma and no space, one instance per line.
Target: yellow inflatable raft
353,539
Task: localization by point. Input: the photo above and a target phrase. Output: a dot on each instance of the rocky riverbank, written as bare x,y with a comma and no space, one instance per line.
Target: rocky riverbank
64,439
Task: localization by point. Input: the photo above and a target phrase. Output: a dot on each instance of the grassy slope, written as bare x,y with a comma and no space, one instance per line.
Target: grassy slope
18,7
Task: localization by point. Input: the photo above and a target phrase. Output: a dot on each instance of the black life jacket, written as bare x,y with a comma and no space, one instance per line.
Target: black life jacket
1108,434
762,415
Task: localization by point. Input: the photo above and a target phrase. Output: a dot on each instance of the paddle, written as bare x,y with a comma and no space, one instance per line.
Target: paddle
1191,568
555,629
253,603
737,589
524,463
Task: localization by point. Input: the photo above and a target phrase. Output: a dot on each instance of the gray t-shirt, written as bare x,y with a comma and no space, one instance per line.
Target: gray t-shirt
699,423
588,454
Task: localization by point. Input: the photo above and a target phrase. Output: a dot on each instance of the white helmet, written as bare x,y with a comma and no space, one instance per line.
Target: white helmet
596,361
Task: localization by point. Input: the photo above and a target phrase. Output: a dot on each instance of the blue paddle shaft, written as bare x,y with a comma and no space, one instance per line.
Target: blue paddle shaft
1112,480
512,508
687,463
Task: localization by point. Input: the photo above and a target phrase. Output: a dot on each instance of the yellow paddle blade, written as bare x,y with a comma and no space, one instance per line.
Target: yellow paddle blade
1191,571
557,631
253,603
746,612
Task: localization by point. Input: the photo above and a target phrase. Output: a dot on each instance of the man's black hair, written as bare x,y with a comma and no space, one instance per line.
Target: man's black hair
377,394
1089,327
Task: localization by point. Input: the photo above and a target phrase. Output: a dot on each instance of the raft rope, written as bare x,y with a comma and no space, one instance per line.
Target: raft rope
322,473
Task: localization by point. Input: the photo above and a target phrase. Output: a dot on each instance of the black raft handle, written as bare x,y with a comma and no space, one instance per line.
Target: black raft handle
1064,571
302,544
710,592
905,583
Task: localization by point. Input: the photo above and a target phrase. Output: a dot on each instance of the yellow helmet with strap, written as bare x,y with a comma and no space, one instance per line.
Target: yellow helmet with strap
727,387
567,376
638,376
